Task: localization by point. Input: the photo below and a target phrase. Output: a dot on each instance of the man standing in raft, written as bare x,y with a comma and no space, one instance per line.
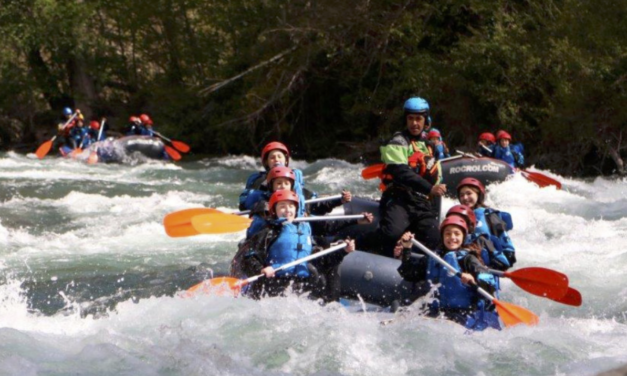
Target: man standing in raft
411,177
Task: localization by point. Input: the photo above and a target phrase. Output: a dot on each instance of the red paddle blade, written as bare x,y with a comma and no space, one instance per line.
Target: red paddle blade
572,297
181,146
540,281
43,149
540,179
512,314
219,223
172,153
222,286
372,172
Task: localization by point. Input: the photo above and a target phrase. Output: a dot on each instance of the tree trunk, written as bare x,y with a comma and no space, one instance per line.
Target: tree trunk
82,85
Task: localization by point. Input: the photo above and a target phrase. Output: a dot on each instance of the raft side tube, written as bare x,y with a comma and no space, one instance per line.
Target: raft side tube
375,279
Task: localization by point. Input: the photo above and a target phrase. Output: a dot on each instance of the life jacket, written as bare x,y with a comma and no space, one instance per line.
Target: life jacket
453,294
424,164
293,242
504,154
495,225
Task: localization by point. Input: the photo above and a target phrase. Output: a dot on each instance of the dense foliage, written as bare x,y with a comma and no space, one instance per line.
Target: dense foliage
328,77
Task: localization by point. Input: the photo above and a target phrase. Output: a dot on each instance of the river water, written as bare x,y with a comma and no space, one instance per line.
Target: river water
91,283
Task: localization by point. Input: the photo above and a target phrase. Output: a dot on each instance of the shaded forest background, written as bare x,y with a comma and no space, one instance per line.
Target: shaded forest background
326,77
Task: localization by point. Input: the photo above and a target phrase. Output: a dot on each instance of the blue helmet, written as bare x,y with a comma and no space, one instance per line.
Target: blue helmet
67,111
417,105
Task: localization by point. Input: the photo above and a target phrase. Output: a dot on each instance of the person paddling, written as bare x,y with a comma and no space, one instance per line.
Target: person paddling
410,178
485,144
491,223
456,296
281,242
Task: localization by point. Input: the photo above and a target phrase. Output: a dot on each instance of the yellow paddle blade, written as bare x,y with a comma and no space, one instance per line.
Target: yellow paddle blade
182,217
219,223
179,224
221,286
512,314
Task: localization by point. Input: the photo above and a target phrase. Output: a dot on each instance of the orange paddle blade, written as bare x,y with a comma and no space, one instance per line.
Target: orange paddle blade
572,297
76,152
372,172
172,153
222,286
540,281
512,314
181,146
219,223
93,158
43,149
179,224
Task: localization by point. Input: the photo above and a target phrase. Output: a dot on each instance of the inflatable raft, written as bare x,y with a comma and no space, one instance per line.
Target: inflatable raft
486,170
129,149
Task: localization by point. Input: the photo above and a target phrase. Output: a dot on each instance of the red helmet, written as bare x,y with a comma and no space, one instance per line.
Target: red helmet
280,172
145,119
134,119
472,182
455,221
502,134
282,195
94,125
487,136
433,134
465,212
275,146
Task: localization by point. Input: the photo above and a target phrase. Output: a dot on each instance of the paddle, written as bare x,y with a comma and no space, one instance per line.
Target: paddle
230,284
538,281
540,179
44,148
179,224
535,177
509,313
375,171
172,153
572,297
178,145
220,223
93,156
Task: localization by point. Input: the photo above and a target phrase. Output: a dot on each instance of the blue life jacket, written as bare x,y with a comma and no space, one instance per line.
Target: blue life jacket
440,152
495,259
504,154
482,319
256,190
145,131
502,241
294,242
453,294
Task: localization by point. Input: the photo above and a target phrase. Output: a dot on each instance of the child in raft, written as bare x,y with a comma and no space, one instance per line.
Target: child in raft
440,150
456,296
511,154
284,178
490,223
283,241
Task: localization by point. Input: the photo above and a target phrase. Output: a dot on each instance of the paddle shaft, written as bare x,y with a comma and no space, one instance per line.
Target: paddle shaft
296,262
441,261
328,218
100,130
311,201
162,136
